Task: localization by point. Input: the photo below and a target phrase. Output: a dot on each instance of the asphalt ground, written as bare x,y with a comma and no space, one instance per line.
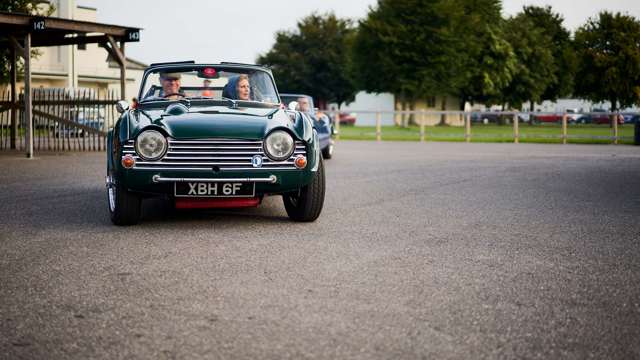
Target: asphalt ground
423,250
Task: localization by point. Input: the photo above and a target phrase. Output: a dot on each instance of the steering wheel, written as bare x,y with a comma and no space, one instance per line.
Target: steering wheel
172,94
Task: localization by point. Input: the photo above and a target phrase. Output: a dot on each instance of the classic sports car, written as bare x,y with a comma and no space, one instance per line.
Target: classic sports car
321,121
212,136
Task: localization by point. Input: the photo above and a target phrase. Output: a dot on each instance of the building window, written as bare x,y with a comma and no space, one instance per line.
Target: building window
431,101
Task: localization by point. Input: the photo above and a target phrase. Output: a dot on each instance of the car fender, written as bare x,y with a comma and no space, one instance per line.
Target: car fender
303,127
110,152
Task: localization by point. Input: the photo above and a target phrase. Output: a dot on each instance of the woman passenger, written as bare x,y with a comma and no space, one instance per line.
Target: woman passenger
243,88
238,88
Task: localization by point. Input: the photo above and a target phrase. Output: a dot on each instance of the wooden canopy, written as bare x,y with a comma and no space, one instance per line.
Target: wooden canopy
20,32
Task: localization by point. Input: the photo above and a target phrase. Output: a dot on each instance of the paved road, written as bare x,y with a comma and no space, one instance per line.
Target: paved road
436,250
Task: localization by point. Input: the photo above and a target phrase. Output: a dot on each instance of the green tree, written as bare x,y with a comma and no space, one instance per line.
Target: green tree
408,48
314,59
32,7
535,69
419,48
551,24
489,60
608,50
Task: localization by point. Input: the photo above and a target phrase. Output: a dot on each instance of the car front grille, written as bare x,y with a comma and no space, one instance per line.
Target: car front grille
218,154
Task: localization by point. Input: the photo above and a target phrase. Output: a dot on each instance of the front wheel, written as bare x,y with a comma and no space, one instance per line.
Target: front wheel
124,206
306,204
327,152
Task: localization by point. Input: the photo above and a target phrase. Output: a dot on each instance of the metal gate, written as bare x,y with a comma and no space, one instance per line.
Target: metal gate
63,120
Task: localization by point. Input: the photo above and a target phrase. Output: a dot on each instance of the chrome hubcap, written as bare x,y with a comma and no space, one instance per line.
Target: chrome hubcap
111,192
112,199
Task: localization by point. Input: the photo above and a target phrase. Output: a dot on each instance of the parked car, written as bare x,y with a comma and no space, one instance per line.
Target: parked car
227,149
599,118
321,121
546,118
90,118
556,117
347,118
573,115
634,119
495,117
629,117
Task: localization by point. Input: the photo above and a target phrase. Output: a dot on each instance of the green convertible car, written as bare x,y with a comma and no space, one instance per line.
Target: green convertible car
212,136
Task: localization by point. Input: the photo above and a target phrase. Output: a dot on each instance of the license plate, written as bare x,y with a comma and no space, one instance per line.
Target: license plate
214,189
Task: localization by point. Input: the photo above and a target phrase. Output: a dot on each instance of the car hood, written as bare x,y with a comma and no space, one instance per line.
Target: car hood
216,122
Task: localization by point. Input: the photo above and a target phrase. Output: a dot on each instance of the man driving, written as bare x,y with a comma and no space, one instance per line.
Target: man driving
170,86
303,104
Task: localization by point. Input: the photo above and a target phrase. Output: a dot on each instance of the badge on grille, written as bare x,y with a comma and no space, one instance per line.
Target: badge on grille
256,161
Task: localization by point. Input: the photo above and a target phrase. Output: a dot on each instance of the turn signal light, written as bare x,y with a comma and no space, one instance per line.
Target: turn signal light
128,161
300,162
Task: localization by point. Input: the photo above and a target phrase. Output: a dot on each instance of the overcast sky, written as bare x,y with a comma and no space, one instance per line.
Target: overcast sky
214,31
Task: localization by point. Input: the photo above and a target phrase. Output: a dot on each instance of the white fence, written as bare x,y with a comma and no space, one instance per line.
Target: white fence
560,126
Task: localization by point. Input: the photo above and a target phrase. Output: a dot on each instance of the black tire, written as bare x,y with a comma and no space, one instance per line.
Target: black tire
305,205
124,206
327,153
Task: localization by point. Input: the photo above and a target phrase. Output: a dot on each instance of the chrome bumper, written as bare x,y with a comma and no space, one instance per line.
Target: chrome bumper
159,179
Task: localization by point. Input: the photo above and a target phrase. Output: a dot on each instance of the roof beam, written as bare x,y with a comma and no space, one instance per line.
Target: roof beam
94,39
52,23
16,45
114,50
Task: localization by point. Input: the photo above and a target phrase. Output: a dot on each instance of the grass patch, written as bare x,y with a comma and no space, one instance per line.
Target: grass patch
545,133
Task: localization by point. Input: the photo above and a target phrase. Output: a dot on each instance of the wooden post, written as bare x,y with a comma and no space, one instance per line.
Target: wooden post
422,126
337,124
27,94
516,129
123,73
13,74
467,127
614,118
564,128
118,54
378,127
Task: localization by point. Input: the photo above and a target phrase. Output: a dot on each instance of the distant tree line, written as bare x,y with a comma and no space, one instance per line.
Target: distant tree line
418,49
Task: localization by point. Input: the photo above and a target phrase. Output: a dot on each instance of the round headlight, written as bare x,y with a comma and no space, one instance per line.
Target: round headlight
151,145
279,145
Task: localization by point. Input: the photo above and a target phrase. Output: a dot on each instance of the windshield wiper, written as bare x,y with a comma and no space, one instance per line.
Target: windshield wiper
153,100
234,104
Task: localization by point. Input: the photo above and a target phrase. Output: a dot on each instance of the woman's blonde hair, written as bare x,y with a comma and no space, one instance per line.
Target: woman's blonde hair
242,77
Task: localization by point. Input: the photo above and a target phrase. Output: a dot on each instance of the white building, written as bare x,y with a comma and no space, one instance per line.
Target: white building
365,104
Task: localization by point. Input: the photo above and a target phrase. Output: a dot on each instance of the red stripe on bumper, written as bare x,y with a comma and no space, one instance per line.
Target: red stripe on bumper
216,203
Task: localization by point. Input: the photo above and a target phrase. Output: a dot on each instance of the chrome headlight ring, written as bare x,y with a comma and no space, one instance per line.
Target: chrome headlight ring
151,145
279,145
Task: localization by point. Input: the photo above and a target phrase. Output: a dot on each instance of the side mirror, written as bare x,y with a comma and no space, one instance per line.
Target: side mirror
122,106
293,105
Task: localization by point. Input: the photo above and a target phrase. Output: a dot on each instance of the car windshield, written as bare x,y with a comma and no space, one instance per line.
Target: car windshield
209,82
305,102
